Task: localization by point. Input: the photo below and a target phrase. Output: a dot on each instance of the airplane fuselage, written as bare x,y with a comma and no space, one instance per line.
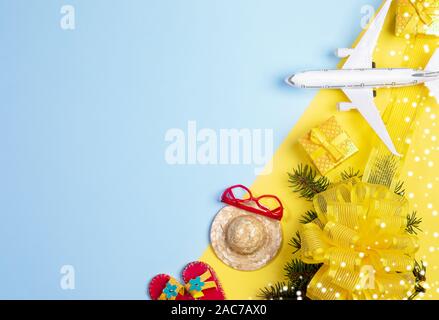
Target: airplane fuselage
361,78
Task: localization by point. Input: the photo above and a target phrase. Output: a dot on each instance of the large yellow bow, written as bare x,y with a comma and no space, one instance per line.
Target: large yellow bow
332,147
360,240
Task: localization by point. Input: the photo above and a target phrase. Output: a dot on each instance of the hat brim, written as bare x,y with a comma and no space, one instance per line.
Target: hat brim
251,262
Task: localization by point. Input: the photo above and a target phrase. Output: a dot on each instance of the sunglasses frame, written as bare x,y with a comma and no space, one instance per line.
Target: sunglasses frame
229,198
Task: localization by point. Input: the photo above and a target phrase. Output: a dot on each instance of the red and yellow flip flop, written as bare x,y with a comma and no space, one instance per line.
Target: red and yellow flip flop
164,287
202,282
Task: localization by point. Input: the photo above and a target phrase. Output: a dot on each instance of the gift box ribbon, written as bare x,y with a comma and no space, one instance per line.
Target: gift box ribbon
424,12
329,146
420,13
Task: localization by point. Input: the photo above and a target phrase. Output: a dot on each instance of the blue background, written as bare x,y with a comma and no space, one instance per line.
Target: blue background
83,114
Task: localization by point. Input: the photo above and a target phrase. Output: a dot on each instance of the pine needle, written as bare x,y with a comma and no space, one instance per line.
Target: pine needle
308,217
413,223
304,181
298,270
350,173
296,242
299,275
419,271
279,291
399,189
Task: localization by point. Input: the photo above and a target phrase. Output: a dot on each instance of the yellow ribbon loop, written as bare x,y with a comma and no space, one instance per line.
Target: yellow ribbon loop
197,285
172,289
416,16
361,242
331,147
424,12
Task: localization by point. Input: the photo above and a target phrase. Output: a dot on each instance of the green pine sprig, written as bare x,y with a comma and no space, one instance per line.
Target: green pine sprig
308,217
279,291
296,242
299,270
420,272
299,275
304,180
350,173
399,188
413,223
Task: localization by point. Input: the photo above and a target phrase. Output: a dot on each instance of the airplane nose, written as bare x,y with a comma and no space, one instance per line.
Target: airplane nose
290,80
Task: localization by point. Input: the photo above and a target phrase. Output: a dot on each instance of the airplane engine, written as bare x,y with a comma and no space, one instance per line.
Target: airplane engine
343,52
345,106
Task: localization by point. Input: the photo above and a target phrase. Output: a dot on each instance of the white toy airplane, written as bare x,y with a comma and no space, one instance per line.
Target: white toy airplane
359,78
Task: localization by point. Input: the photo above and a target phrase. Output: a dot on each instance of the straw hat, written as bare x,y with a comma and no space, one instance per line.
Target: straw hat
244,240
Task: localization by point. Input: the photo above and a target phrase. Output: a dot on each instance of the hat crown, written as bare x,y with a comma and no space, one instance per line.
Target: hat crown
245,235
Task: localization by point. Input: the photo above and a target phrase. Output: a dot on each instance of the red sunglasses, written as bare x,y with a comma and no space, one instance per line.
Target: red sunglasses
263,203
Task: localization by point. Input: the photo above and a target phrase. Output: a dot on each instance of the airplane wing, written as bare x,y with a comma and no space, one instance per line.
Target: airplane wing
363,101
362,56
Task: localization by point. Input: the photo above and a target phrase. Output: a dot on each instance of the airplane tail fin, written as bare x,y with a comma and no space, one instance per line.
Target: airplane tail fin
433,65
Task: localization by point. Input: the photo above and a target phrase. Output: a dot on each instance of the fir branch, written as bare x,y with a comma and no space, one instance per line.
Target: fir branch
279,291
299,270
350,173
308,217
296,242
399,188
413,223
304,181
420,272
299,275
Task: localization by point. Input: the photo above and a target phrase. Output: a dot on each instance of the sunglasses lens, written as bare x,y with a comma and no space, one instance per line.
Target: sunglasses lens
240,193
269,203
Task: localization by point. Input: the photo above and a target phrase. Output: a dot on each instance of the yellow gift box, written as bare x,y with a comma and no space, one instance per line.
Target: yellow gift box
328,145
417,17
